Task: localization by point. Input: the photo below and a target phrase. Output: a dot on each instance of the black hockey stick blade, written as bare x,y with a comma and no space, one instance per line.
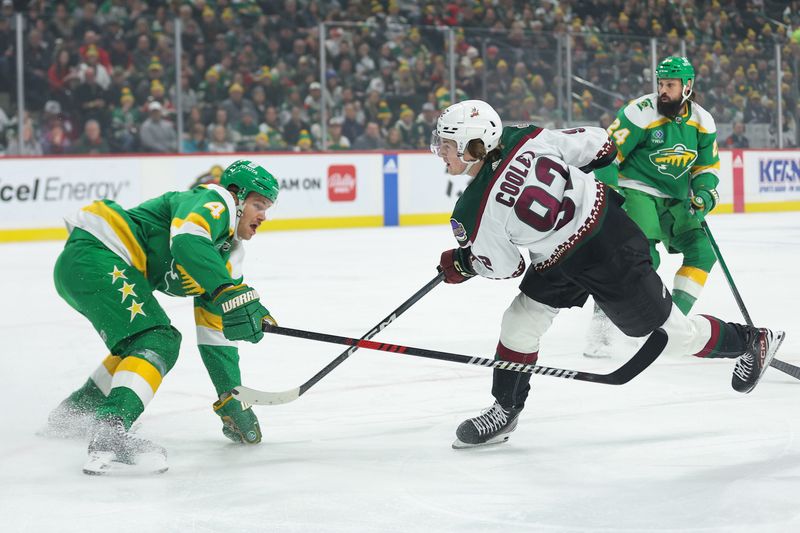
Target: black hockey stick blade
648,353
643,358
252,396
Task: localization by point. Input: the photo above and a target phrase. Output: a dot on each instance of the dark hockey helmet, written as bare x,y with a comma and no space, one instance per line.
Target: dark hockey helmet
250,177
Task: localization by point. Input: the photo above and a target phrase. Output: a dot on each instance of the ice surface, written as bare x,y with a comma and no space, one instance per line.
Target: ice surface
368,448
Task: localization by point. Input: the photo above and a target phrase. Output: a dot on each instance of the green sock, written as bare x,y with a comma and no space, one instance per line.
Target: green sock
87,398
683,300
122,402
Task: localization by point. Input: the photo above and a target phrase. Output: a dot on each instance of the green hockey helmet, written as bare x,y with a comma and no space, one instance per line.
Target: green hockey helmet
677,67
250,177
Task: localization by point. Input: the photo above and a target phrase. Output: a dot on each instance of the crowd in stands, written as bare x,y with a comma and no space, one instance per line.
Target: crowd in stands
100,76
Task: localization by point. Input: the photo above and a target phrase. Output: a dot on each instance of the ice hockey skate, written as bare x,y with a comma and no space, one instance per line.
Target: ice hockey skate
68,421
114,451
493,426
604,340
762,345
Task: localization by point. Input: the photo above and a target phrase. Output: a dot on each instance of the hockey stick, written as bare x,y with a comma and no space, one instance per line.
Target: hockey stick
784,367
648,353
248,395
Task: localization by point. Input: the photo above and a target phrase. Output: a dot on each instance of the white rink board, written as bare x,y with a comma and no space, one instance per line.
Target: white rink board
424,187
313,185
306,181
771,176
725,187
36,193
342,189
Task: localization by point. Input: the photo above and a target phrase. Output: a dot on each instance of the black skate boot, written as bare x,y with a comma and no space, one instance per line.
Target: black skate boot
113,450
762,344
491,427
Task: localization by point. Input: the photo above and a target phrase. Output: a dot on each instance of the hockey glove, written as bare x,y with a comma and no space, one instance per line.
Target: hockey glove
239,423
456,265
242,313
703,202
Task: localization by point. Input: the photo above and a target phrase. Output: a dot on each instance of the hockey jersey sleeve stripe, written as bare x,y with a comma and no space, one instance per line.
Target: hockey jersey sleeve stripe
120,239
212,337
194,224
697,169
207,319
497,173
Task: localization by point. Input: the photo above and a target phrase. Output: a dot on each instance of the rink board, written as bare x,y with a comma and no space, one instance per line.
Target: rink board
320,190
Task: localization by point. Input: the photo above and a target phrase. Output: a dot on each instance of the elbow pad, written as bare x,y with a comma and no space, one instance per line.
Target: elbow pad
606,156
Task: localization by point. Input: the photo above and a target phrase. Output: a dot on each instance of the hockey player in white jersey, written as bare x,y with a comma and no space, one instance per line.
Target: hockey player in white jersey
531,189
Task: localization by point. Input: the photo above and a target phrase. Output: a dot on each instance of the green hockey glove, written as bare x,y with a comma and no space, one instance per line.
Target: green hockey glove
239,423
703,202
242,313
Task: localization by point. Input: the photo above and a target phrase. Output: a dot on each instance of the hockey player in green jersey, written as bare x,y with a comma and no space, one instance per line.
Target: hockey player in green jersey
667,169
181,244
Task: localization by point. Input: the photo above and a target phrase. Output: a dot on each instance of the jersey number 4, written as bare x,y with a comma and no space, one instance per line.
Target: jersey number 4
538,208
216,208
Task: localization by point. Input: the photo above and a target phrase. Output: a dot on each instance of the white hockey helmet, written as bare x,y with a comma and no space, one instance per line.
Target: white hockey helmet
467,120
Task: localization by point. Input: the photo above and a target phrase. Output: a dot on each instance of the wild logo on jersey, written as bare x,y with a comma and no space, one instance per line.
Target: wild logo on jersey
674,161
180,283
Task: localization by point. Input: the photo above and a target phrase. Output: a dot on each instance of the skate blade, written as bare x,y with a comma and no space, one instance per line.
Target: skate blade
779,336
458,444
103,464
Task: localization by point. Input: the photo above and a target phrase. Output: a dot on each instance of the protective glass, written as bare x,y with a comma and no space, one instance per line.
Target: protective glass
436,143
440,145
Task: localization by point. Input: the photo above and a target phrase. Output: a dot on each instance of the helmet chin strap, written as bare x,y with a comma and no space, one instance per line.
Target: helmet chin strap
686,93
469,164
239,213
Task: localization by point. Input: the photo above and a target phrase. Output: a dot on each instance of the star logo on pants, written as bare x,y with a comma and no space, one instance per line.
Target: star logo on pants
117,274
136,309
127,290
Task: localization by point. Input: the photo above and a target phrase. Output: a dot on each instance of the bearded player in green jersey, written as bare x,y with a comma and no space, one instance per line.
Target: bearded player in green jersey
667,169
182,244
